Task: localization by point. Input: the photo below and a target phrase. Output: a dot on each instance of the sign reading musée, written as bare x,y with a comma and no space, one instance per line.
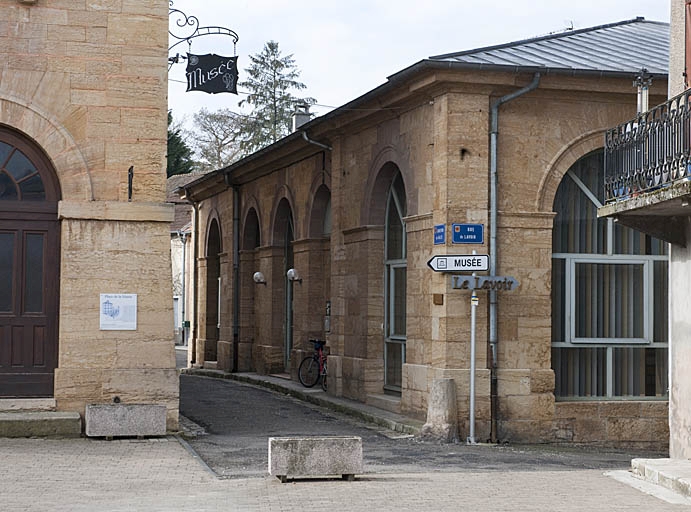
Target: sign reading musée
212,73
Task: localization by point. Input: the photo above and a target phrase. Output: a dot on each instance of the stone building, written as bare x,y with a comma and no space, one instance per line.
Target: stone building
647,186
501,147
181,256
82,213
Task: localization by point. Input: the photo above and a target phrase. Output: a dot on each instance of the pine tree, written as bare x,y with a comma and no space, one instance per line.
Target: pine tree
179,154
271,79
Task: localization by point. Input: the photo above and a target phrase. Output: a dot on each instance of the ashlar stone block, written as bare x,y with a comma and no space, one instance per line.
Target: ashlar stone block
111,420
315,456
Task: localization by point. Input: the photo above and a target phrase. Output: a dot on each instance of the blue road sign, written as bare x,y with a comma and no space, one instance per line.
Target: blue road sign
439,234
467,234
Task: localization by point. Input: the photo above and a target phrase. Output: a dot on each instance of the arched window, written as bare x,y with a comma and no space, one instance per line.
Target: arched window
609,296
213,290
19,177
395,242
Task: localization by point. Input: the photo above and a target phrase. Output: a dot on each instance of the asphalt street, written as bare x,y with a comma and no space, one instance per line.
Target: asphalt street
239,418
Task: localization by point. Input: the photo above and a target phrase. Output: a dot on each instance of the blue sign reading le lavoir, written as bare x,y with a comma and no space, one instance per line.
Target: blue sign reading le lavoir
467,234
439,234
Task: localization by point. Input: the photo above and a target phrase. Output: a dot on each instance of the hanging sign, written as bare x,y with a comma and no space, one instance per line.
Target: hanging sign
459,263
212,73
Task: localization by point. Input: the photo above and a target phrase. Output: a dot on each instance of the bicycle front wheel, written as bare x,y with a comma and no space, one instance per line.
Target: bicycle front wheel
308,373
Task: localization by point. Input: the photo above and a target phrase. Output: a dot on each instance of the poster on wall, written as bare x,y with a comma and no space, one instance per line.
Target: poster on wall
118,311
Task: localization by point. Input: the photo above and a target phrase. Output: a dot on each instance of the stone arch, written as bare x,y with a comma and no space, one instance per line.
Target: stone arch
319,213
382,172
213,219
251,233
562,162
283,197
55,140
212,250
250,207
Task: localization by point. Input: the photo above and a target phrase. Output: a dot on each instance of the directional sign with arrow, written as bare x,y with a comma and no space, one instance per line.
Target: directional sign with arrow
459,263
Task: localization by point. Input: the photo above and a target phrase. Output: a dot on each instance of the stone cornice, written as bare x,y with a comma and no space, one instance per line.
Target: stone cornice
116,211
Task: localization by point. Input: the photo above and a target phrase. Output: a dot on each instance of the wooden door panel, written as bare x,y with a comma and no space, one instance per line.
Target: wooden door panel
28,323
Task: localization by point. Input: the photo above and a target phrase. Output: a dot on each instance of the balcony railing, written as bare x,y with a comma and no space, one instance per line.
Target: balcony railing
649,152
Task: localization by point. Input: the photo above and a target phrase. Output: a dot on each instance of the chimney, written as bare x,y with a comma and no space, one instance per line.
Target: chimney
301,116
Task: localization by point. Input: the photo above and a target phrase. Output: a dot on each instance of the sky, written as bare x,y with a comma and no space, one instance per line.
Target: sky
345,49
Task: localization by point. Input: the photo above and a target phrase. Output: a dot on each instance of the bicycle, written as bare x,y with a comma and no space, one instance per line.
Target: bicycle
313,367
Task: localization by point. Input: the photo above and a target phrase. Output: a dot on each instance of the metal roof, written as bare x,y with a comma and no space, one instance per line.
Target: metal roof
606,48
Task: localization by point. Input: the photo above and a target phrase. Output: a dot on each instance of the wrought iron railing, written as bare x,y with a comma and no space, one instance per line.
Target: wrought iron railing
650,151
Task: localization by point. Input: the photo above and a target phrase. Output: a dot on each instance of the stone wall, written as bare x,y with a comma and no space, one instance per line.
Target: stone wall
87,82
438,141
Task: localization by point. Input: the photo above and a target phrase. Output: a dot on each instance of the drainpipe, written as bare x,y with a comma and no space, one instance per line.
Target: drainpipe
319,144
494,131
195,249
236,271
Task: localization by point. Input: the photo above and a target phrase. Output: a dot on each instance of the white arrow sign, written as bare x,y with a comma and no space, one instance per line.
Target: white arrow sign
459,263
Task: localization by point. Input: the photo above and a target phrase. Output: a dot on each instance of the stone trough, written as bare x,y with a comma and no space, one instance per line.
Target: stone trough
115,420
297,457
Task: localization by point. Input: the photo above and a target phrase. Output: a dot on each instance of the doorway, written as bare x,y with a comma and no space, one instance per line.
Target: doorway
29,268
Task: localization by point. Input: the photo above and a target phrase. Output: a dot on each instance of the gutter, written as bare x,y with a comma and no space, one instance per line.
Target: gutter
493,155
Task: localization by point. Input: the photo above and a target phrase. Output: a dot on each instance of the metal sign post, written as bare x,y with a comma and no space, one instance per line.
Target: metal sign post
473,307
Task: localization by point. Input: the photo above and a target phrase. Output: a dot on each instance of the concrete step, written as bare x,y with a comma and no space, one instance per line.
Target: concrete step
385,402
40,424
27,404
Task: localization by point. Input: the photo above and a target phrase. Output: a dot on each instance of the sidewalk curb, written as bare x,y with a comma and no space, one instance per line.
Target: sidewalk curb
410,426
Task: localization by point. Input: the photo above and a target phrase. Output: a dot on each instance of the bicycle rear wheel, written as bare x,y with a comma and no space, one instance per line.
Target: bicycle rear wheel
308,373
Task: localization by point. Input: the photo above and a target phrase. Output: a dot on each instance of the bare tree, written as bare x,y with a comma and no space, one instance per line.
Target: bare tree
216,138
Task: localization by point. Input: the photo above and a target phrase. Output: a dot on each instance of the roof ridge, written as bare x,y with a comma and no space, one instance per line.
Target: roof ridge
547,37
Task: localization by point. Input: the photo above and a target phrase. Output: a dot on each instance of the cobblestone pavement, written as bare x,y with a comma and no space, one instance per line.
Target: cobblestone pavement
161,475
401,473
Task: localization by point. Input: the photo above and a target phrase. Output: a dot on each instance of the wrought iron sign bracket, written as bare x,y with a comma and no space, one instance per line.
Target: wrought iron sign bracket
188,28
210,73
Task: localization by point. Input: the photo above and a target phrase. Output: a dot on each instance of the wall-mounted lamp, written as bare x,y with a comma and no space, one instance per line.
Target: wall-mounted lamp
293,275
259,278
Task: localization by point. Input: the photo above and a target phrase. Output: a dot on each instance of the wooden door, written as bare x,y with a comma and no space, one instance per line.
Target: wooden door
29,269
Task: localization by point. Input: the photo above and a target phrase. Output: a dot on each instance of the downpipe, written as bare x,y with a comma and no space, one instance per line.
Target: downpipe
236,270
494,131
236,276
